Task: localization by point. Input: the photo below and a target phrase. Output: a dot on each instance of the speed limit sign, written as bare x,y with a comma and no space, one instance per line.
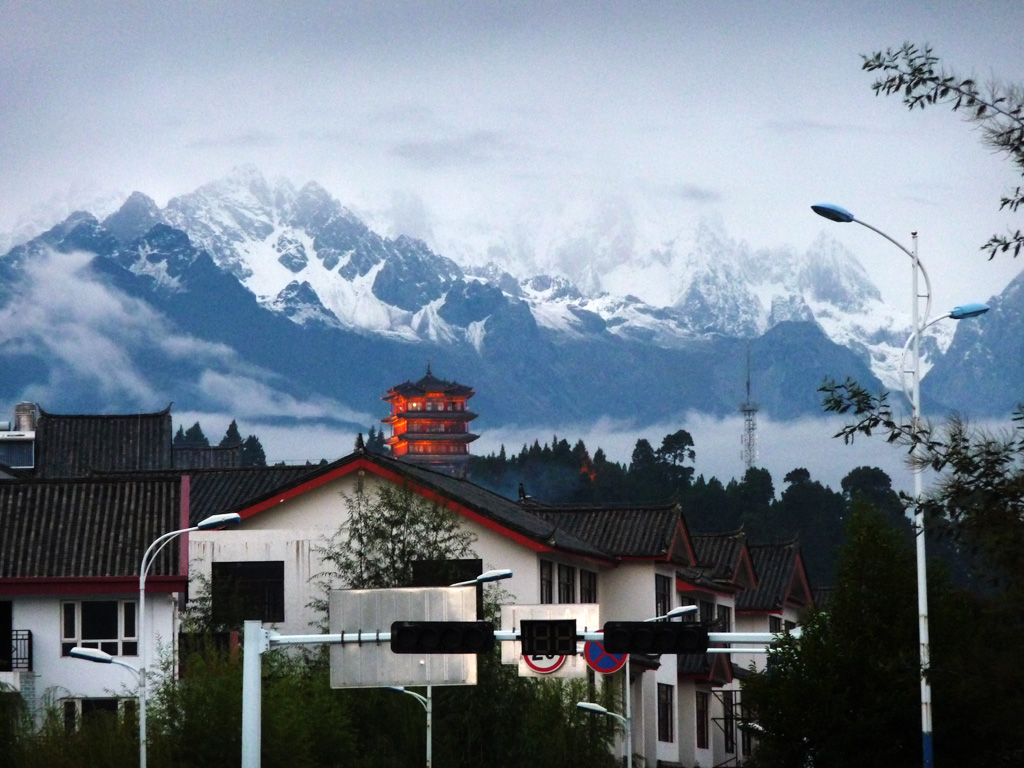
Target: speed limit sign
544,664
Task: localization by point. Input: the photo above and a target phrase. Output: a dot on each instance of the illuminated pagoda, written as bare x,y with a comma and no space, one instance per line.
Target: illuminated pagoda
430,424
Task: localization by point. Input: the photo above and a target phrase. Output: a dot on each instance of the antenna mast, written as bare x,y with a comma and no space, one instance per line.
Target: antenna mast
749,410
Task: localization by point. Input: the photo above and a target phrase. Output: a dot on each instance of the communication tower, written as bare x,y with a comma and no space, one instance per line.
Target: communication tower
749,439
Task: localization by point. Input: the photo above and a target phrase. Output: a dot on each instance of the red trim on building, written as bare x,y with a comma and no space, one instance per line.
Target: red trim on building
96,585
363,463
186,487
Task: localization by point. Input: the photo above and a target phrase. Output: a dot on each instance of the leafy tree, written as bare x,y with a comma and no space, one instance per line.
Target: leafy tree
978,498
851,679
914,74
815,514
232,436
677,449
387,529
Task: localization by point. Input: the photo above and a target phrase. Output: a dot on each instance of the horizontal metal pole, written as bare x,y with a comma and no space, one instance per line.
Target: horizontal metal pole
502,635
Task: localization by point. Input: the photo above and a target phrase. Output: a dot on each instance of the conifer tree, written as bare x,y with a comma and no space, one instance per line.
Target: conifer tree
232,436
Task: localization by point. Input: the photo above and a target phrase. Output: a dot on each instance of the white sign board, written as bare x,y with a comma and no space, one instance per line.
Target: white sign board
588,619
372,664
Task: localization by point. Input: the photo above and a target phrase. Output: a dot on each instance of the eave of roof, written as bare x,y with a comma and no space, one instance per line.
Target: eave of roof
471,501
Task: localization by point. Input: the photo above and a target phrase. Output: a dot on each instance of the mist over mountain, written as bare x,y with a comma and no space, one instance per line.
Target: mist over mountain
282,303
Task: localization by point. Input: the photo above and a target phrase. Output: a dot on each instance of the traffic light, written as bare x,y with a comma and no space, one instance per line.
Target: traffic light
442,637
655,637
548,637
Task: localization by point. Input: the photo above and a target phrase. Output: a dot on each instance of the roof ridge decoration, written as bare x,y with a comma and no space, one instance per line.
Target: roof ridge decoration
44,412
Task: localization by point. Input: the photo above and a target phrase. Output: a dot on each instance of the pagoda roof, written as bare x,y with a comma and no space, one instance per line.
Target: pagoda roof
429,383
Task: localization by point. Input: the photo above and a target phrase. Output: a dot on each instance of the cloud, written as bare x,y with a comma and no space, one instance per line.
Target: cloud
92,334
243,140
797,126
782,446
470,149
249,398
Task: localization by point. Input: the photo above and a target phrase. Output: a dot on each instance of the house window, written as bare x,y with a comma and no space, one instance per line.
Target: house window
746,738
703,719
724,618
248,590
729,720
76,710
775,624
665,715
707,611
588,587
566,584
662,594
109,625
546,582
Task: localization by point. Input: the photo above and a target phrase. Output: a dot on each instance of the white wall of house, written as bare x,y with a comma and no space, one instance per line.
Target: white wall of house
57,677
292,531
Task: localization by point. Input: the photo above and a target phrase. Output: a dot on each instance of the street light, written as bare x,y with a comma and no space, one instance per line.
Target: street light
210,523
428,705
919,322
486,577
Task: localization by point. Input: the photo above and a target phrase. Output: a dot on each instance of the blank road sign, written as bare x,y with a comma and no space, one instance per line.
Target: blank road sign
373,665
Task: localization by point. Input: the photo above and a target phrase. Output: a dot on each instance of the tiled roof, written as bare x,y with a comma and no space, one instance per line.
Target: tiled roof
780,578
207,456
720,552
213,491
429,383
488,505
86,528
74,446
621,531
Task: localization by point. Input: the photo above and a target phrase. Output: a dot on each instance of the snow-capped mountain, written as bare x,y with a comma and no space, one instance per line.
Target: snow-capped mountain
302,253
301,287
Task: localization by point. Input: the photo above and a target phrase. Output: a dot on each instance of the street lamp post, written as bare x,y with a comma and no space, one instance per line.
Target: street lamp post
212,522
919,322
428,705
591,707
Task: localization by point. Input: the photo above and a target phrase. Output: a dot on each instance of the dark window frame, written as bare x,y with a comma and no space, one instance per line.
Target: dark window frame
666,712
588,586
566,583
702,718
662,594
547,582
247,590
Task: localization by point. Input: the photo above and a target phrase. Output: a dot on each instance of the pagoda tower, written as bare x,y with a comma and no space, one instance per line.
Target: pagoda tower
430,424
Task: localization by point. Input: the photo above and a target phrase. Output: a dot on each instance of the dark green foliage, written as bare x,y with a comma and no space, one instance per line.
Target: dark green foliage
252,452
193,436
232,436
848,688
914,75
375,442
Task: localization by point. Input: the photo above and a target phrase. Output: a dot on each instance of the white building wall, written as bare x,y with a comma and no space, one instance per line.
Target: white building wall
57,677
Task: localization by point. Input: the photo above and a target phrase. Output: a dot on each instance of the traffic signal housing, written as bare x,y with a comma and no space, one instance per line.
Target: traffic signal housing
442,637
655,637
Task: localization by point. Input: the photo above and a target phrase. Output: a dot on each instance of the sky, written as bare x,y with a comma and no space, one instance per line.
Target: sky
451,118
454,120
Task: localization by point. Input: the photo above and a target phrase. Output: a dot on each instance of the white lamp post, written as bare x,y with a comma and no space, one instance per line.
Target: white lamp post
428,705
212,522
919,322
591,707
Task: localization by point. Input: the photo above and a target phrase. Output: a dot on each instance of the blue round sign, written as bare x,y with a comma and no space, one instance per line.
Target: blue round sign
599,660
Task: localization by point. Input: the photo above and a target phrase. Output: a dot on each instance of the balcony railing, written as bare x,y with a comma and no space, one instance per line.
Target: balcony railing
20,653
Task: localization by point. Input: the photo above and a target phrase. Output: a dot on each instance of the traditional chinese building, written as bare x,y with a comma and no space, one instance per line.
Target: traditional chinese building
430,423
